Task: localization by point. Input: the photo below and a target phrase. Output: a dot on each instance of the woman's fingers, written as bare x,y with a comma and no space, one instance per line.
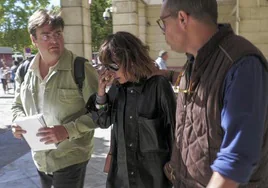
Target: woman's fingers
106,77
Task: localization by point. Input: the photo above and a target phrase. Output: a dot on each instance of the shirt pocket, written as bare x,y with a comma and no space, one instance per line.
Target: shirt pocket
69,105
69,96
152,135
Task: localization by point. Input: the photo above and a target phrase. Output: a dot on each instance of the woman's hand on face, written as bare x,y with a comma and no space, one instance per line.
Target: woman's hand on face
106,78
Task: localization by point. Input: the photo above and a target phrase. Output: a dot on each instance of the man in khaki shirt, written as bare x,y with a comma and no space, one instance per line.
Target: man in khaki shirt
49,88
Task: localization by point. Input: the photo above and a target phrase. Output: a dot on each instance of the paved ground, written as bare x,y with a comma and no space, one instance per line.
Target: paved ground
22,172
10,148
17,169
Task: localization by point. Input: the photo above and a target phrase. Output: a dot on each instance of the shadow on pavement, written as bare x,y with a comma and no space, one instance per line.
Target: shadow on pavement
11,148
22,172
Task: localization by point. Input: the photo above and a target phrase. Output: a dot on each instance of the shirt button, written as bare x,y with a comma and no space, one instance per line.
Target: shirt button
130,117
131,91
132,173
130,145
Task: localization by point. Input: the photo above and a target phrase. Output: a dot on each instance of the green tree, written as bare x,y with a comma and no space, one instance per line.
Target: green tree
14,16
99,27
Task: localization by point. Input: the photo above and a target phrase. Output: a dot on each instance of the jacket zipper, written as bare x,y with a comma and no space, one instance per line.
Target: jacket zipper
188,78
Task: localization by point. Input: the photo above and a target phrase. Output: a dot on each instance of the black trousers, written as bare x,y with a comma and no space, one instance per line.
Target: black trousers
4,82
69,177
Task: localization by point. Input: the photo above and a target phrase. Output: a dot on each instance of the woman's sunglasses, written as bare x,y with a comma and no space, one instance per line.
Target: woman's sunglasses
112,66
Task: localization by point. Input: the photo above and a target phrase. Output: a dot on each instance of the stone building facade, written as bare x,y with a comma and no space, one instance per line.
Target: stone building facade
248,18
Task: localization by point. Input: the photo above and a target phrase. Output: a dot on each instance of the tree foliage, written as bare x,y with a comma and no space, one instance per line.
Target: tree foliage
99,27
14,16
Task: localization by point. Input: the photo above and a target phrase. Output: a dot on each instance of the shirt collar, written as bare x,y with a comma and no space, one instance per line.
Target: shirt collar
137,86
34,66
62,64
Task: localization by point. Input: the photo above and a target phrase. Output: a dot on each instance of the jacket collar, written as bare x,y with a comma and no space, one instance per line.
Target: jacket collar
200,62
63,63
137,86
210,46
65,59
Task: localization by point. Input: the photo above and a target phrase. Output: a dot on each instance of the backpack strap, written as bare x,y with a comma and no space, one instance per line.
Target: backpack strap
23,68
79,71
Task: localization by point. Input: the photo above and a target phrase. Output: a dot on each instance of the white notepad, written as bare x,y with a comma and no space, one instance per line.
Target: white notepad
31,124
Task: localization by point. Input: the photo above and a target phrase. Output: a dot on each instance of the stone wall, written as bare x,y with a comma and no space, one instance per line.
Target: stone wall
125,18
250,20
254,22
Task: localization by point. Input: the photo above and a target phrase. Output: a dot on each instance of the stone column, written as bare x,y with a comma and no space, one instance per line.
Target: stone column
142,21
77,31
253,23
125,16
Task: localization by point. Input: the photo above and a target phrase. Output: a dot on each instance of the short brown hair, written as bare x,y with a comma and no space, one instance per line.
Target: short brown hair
42,17
129,52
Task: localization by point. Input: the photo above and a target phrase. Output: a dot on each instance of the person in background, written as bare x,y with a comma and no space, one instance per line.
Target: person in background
5,75
222,104
141,108
49,88
161,61
13,72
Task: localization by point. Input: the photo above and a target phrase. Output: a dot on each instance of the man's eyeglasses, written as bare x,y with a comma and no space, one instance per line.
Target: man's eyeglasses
161,22
48,37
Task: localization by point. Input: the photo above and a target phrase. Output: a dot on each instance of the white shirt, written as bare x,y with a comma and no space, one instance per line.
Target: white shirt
41,82
4,72
161,63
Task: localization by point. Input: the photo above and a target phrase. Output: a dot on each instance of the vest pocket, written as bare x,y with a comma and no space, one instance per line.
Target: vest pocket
152,135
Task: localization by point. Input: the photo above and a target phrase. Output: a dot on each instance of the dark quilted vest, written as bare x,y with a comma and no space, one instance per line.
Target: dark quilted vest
198,124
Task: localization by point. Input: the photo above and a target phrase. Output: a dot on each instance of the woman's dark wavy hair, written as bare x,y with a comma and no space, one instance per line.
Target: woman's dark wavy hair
128,52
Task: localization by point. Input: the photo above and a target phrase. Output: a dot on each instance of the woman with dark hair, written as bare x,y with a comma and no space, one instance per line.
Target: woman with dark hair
140,108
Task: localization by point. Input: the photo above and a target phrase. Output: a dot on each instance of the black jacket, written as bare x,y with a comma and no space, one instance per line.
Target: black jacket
143,119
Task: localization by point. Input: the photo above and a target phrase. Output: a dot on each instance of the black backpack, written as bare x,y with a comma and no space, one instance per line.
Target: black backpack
79,70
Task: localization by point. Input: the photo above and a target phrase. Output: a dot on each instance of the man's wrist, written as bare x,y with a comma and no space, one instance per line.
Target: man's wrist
66,132
219,181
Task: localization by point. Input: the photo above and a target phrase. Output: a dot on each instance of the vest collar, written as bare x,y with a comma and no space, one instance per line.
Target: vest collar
210,46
